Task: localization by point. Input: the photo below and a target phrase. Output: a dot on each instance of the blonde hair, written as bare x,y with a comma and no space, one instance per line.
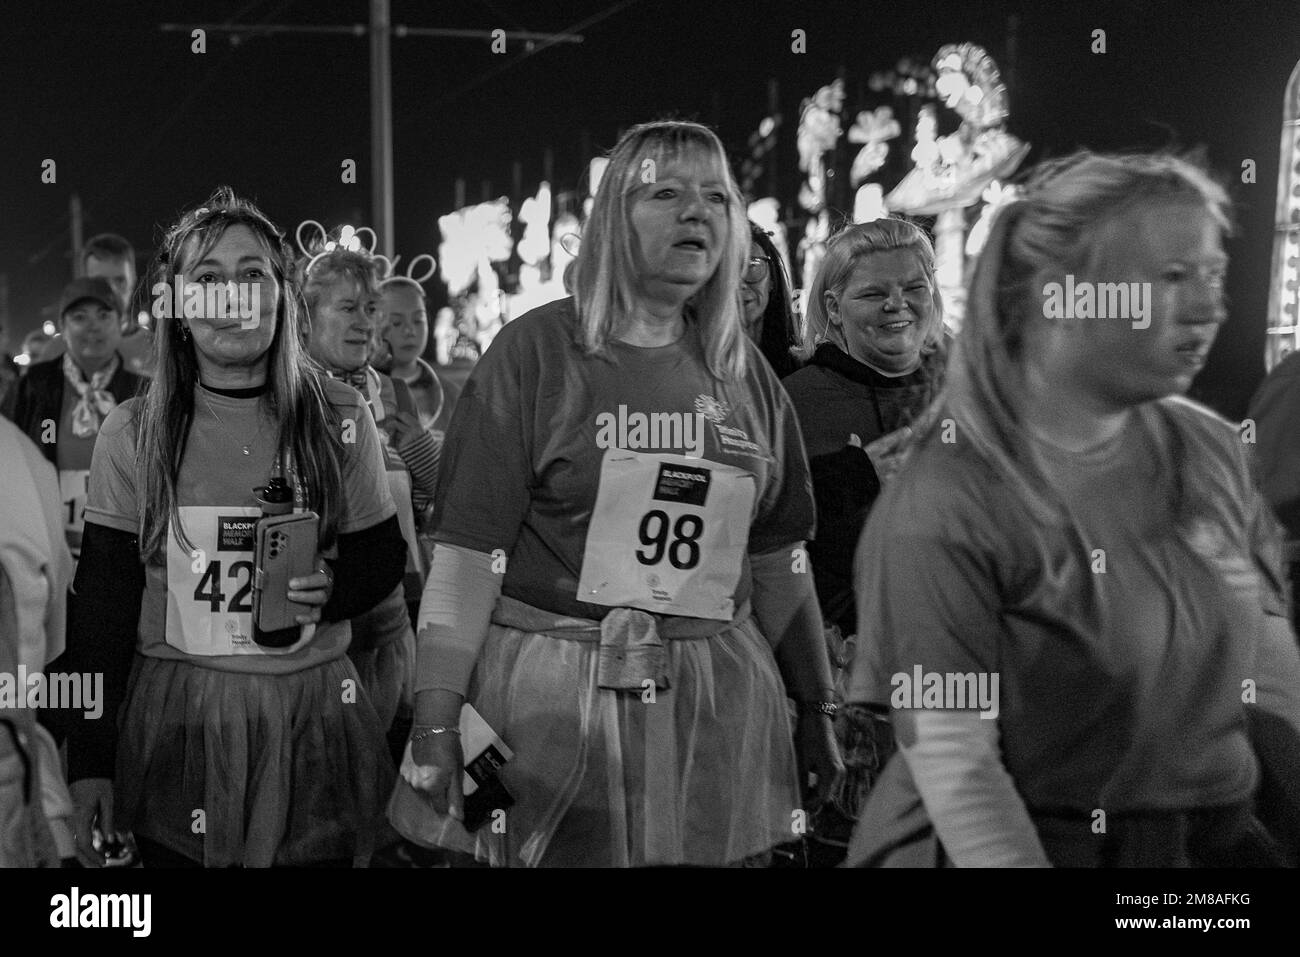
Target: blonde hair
359,267
1055,227
604,271
843,252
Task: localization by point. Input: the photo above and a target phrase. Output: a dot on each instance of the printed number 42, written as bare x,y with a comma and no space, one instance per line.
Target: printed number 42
686,533
238,601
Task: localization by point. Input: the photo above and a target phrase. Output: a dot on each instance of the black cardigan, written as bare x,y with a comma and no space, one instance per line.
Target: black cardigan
39,396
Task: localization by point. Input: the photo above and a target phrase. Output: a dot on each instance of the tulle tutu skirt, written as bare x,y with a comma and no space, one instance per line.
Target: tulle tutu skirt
235,769
383,652
702,775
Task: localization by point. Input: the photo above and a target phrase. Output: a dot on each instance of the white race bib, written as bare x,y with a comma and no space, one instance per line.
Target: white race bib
73,484
210,586
667,535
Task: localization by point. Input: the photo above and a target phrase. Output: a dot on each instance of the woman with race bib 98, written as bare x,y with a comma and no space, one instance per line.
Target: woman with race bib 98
231,749
619,563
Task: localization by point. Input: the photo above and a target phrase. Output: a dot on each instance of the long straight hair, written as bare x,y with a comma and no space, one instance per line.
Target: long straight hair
604,272
844,251
778,337
1054,228
308,428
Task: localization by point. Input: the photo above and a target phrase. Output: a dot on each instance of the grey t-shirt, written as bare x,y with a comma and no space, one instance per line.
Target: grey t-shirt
214,473
522,461
1124,646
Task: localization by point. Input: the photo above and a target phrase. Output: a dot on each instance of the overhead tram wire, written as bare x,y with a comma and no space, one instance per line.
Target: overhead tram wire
537,48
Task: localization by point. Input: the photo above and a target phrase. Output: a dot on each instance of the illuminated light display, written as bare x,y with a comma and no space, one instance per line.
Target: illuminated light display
473,239
874,129
951,173
766,214
869,203
1284,287
819,129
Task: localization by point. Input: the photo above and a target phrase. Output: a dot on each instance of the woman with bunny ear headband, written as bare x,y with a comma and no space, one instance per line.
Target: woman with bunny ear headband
341,288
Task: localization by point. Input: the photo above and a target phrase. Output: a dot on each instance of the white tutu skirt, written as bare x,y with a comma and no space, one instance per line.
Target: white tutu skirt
383,651
702,775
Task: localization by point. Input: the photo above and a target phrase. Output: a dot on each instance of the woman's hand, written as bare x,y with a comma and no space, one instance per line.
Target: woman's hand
93,798
314,589
434,766
406,429
818,753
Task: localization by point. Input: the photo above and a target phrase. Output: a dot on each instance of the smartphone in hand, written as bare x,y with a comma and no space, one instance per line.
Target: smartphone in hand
285,548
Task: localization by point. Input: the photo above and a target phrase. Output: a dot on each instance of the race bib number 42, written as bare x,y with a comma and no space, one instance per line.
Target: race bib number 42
210,585
667,535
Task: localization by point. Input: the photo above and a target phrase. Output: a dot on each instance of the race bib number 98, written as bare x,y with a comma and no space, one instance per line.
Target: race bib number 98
210,585
667,535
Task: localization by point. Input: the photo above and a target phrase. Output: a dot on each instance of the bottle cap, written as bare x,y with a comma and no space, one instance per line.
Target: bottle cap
276,497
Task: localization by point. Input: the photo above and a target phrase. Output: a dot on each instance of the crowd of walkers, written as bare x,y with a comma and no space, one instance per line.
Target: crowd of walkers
706,583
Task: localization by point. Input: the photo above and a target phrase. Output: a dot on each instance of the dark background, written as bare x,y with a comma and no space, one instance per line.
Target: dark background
141,127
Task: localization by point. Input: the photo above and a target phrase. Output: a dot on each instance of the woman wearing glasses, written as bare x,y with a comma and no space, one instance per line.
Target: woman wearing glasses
765,298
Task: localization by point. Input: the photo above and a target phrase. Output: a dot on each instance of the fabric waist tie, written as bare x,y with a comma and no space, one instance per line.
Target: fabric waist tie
632,648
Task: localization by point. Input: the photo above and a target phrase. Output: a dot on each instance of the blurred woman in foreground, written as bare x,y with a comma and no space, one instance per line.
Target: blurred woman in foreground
1069,597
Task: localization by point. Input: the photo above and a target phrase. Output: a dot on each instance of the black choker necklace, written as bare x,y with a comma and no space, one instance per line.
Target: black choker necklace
250,392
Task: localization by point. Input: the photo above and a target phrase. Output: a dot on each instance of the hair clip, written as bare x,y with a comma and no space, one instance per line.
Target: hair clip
570,243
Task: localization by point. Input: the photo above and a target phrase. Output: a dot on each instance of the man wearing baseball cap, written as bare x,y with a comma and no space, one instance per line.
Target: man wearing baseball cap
113,258
61,402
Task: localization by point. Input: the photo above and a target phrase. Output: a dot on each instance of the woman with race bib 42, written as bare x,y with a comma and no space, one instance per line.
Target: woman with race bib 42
231,748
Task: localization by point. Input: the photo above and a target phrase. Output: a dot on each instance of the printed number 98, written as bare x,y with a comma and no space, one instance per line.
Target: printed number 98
654,534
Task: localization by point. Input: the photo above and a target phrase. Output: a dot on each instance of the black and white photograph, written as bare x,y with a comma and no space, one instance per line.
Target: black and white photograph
646,439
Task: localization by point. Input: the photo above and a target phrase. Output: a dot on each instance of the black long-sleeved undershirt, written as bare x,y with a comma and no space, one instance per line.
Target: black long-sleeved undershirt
104,617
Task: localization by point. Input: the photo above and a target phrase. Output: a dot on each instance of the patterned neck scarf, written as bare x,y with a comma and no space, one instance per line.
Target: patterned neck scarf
95,401
366,381
356,378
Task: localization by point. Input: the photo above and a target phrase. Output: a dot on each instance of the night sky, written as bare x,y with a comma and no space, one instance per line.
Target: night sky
141,127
